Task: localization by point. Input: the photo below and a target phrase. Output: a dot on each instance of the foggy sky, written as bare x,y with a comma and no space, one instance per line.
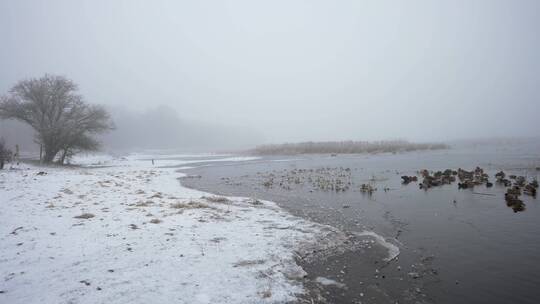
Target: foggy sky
294,70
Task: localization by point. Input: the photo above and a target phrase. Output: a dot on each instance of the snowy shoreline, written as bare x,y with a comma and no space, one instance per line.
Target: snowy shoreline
142,238
122,230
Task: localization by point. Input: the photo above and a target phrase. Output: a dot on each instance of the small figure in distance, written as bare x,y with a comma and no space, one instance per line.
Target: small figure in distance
17,154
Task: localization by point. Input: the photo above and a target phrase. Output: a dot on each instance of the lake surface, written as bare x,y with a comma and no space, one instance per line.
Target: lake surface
456,246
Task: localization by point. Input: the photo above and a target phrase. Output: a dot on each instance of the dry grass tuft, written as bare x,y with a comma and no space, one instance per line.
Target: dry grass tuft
144,204
157,195
66,191
247,263
85,216
266,294
190,205
254,201
216,199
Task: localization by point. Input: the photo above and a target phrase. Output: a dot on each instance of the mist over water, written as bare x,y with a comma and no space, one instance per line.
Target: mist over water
250,73
304,151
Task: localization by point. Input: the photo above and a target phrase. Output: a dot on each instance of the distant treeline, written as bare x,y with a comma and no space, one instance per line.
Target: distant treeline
344,147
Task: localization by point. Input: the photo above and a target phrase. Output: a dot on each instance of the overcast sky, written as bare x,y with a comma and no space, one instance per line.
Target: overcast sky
294,70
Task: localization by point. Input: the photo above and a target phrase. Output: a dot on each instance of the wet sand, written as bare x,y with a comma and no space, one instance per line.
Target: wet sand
455,245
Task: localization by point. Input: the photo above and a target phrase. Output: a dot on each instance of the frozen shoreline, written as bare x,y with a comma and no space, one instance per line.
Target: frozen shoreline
196,251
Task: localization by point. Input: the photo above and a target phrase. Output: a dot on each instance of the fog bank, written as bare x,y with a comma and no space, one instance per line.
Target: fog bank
292,70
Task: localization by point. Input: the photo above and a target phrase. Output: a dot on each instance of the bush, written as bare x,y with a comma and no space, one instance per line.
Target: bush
5,153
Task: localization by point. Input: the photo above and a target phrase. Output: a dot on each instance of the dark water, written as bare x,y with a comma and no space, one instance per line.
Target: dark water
457,246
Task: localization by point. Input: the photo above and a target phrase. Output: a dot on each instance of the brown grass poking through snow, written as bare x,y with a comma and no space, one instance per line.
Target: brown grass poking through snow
266,294
144,204
190,205
85,216
66,191
247,263
216,199
157,195
155,221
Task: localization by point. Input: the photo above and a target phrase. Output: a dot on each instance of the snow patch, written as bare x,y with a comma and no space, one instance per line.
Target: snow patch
393,250
329,282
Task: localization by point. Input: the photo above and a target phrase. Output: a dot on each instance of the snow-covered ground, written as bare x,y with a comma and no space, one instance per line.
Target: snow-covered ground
142,238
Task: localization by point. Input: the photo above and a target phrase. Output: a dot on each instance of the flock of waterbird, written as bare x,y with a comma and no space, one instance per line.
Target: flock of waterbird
340,179
516,185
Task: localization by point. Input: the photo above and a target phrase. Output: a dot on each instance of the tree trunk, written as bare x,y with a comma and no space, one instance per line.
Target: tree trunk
63,157
49,155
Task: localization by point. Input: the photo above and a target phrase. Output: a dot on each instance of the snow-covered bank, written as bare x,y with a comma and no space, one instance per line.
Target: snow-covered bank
140,238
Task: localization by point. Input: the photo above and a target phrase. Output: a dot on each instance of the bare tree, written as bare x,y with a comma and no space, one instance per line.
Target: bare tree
62,120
